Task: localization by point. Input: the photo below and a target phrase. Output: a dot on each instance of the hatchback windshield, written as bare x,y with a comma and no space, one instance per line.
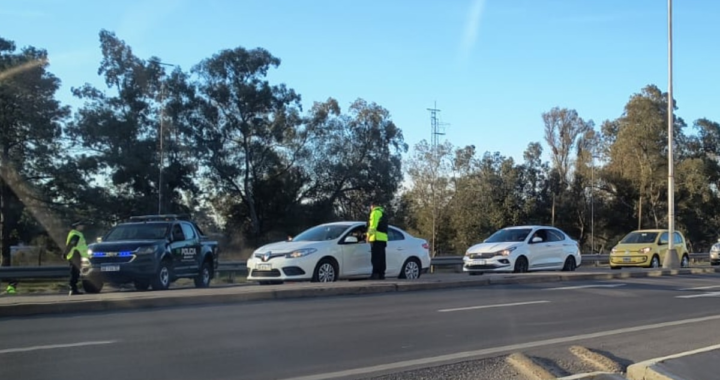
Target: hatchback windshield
509,235
639,238
145,231
322,233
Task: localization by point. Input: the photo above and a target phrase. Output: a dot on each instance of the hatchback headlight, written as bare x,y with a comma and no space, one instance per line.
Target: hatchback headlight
505,252
645,250
301,253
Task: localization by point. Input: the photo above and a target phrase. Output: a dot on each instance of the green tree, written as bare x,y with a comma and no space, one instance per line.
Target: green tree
249,133
121,134
30,132
430,173
356,158
639,151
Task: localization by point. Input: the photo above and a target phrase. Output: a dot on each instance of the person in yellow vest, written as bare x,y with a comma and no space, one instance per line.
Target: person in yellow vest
377,237
75,249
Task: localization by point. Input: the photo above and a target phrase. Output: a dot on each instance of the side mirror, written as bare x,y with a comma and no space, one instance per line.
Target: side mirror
537,239
351,239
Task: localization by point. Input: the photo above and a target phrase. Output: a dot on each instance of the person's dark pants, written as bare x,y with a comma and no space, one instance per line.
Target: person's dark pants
377,251
74,272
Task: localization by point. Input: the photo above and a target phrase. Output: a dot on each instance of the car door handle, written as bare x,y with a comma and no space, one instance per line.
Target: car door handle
398,249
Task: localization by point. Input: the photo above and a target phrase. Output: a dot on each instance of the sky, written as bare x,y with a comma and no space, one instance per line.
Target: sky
491,66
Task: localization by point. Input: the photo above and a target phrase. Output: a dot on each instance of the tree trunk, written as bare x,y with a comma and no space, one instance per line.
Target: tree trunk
553,212
640,213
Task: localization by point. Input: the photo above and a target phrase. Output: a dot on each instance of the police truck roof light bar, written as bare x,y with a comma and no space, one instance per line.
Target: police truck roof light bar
167,217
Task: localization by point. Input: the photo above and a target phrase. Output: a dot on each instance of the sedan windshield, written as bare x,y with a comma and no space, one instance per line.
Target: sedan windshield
322,233
639,238
509,235
144,231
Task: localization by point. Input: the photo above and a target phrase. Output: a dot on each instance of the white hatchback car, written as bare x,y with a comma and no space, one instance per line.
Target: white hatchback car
333,251
523,249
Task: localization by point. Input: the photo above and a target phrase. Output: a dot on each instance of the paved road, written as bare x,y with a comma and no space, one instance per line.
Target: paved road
397,332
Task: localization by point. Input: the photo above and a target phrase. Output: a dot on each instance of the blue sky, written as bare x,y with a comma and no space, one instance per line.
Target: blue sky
493,66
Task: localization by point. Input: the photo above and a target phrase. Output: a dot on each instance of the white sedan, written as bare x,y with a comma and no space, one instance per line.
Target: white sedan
333,251
523,249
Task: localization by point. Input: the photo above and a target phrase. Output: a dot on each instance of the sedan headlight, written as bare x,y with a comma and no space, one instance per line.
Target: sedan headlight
505,252
301,253
146,250
715,248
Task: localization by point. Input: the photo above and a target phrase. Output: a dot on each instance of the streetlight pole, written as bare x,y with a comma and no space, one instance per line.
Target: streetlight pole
592,204
161,136
671,260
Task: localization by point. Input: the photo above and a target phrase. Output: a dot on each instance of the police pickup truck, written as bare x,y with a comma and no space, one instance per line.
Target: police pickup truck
153,250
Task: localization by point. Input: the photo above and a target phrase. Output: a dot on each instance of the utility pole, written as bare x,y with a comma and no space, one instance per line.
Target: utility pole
436,131
161,136
671,260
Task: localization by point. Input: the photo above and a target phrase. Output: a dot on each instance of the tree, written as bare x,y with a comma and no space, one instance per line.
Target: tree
249,132
30,131
356,158
121,134
639,151
429,171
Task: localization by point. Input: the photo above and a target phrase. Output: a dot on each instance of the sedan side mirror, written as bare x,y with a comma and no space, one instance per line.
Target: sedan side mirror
537,239
350,239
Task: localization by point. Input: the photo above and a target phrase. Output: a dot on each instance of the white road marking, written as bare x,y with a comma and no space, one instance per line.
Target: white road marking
588,286
711,294
491,306
497,350
702,287
585,375
54,346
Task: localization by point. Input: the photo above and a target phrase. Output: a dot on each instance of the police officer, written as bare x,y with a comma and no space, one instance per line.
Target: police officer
377,237
75,249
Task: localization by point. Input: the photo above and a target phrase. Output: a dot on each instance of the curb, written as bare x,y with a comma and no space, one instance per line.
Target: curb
653,369
282,292
529,367
600,362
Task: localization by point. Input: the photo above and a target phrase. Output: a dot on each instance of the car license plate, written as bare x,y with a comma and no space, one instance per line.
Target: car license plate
110,268
479,262
263,267
626,259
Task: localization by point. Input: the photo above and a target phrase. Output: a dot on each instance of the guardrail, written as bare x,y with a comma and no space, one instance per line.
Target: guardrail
240,267
587,259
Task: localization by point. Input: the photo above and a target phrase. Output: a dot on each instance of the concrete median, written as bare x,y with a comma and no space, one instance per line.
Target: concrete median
696,364
13,306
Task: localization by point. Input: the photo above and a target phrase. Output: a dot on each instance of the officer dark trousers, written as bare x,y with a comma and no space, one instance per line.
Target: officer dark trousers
74,272
377,258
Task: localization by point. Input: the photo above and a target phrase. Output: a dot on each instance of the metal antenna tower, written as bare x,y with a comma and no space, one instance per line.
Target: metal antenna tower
437,130
437,127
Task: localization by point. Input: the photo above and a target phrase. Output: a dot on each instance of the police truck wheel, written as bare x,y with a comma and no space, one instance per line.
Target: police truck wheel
162,277
203,278
92,286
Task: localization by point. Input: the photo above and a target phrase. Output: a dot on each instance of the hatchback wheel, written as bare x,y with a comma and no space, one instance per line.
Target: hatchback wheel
411,269
325,271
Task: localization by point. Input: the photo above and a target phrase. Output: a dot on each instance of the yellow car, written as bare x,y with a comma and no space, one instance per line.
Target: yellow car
647,248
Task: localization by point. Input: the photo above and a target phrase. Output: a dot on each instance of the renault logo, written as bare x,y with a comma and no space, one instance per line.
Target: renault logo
266,256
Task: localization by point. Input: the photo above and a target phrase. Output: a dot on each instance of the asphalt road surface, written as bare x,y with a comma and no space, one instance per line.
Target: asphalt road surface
367,336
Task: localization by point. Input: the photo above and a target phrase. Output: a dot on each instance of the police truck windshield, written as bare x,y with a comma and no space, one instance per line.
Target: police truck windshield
140,231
